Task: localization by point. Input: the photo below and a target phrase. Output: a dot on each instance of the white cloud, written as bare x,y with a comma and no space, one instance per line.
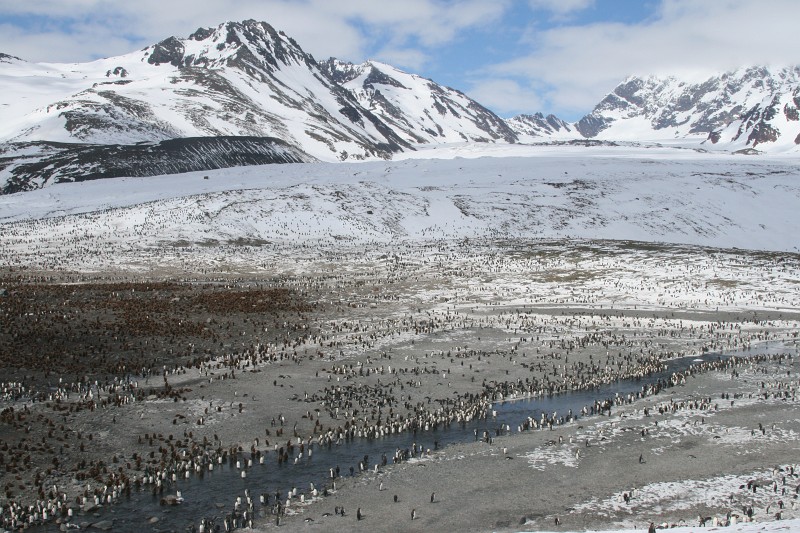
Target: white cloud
561,8
52,45
580,64
408,59
505,96
349,29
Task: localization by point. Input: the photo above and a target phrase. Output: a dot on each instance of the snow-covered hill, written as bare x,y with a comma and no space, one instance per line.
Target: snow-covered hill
566,192
753,107
238,79
419,110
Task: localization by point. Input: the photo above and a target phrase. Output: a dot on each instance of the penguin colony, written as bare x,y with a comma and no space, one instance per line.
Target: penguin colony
79,346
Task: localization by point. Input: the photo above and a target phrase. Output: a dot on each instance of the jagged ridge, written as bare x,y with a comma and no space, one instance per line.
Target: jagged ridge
531,128
749,107
418,109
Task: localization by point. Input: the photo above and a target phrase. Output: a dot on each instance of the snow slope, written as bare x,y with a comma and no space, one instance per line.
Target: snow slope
418,109
601,192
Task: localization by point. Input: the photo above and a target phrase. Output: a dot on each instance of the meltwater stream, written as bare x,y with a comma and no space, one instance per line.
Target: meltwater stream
213,495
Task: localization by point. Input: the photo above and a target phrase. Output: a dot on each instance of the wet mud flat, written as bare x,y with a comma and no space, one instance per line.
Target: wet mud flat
114,380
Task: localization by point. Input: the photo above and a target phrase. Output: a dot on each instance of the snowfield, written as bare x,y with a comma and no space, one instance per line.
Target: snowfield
647,193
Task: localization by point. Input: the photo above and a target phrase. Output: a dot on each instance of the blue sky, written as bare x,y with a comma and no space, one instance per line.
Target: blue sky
469,58
513,56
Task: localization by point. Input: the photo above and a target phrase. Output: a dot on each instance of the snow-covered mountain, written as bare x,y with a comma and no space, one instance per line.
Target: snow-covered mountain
266,100
753,107
238,79
418,109
537,127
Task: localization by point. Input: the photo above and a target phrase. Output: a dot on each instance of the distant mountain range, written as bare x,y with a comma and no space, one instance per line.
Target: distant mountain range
753,107
243,93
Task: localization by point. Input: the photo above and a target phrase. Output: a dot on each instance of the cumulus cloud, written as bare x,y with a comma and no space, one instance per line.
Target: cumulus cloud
579,64
50,44
560,8
410,59
505,96
350,29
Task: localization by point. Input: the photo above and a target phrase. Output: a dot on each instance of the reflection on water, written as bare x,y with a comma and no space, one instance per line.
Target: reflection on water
214,495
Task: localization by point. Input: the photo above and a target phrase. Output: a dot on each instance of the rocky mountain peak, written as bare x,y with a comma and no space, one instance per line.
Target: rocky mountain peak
538,126
6,58
250,45
376,73
340,71
169,51
748,106
418,109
